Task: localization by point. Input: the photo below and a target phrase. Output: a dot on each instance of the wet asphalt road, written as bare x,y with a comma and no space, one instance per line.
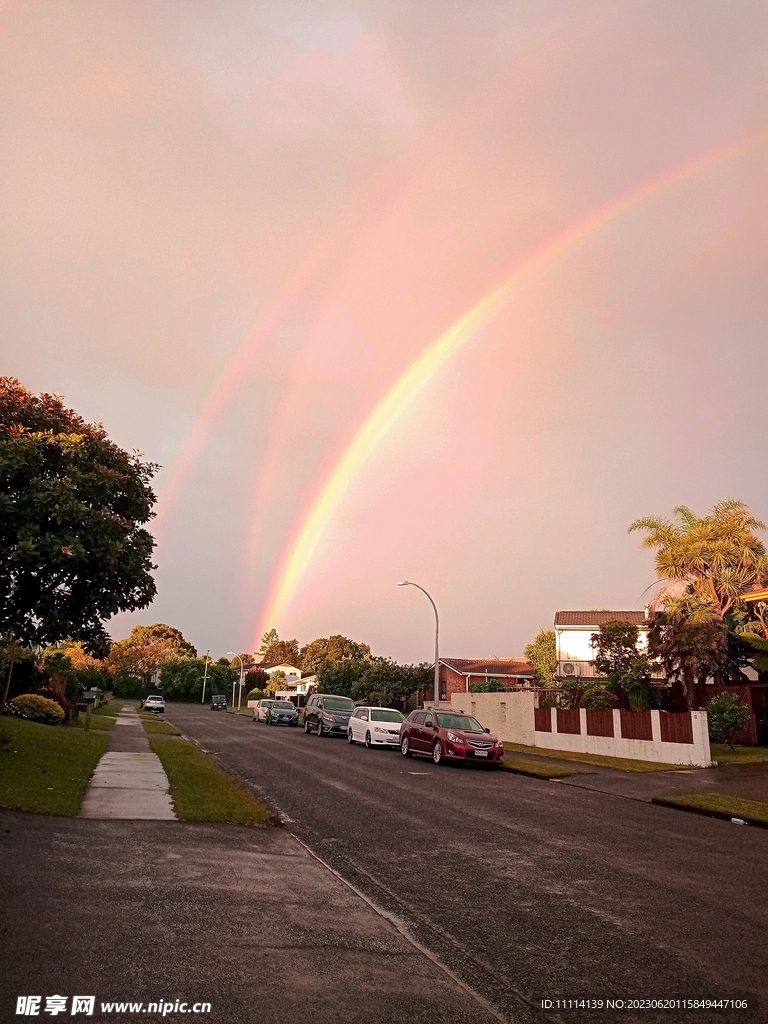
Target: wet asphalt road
524,888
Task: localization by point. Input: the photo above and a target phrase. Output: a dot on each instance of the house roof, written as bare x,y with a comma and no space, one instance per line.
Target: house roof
265,665
599,618
490,666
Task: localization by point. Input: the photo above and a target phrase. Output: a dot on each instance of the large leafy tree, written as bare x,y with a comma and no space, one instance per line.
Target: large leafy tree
275,651
148,649
183,678
542,654
73,506
332,648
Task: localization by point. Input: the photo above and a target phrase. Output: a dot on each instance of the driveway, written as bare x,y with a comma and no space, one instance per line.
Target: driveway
524,888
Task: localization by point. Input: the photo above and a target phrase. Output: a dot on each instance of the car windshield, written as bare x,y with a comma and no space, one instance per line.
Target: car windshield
282,705
267,703
338,704
384,715
461,722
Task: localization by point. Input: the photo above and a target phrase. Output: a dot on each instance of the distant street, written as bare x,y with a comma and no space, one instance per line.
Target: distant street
523,888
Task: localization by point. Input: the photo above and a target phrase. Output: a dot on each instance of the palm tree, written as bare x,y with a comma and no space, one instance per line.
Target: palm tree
708,563
717,557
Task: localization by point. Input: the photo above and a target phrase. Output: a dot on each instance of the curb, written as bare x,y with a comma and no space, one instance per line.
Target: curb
707,812
530,775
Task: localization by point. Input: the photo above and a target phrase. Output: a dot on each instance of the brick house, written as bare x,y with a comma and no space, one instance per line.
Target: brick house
458,674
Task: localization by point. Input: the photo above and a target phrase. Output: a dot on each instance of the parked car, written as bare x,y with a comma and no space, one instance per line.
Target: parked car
375,726
154,703
327,714
449,735
261,708
218,702
282,712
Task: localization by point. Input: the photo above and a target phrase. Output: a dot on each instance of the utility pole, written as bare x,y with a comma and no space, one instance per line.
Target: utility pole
205,675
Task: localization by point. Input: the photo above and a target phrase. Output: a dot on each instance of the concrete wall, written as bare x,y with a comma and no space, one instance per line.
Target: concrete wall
508,715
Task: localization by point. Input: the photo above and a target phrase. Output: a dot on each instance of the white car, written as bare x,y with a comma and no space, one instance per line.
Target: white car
261,708
375,727
154,703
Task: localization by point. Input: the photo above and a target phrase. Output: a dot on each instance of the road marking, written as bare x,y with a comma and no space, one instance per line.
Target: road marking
419,773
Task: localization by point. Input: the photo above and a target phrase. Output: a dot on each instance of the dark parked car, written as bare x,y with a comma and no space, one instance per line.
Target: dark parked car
282,712
218,702
327,714
449,735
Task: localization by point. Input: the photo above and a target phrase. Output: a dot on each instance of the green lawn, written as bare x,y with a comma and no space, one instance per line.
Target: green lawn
735,806
203,791
46,768
723,754
155,725
625,764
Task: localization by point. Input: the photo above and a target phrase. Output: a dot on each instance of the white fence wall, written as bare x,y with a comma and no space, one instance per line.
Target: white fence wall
510,717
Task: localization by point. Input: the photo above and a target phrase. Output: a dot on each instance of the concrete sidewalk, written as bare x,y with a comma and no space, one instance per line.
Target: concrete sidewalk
241,918
129,781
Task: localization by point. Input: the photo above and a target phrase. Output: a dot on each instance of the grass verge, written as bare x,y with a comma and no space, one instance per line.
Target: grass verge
721,805
537,769
723,754
158,726
624,764
201,790
46,768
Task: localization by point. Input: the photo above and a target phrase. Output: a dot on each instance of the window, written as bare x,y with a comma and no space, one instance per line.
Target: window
364,715
428,721
417,718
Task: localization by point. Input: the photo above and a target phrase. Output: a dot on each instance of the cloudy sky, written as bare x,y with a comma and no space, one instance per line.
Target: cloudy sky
258,240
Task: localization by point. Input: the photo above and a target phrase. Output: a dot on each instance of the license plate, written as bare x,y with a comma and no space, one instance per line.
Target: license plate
481,753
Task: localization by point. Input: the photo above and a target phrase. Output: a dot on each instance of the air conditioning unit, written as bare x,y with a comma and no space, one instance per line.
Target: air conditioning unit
570,668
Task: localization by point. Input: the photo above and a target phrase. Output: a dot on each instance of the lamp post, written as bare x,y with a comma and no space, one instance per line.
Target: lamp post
205,675
239,657
407,583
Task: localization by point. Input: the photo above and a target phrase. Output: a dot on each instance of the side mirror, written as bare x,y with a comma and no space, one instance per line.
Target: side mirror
486,730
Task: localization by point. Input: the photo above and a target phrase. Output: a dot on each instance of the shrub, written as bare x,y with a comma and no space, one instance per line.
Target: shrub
37,709
492,686
255,694
727,715
597,697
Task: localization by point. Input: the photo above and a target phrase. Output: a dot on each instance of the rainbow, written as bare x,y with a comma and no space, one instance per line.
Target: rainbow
304,540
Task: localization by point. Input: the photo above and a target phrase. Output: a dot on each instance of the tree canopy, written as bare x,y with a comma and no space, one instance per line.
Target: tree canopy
147,649
275,651
73,550
627,670
332,648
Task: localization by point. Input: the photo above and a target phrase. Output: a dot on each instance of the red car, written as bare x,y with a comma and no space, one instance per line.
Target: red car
449,735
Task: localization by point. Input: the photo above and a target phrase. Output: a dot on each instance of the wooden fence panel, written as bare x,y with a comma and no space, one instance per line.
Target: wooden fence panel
599,723
569,720
676,728
542,719
636,725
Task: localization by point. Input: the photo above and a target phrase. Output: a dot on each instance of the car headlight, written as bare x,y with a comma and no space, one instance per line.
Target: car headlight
453,738
499,743
377,728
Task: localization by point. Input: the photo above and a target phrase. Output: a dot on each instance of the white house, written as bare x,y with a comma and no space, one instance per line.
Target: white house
573,635
291,673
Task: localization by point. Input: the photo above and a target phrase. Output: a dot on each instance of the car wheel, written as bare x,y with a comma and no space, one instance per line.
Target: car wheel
306,725
350,737
368,741
319,727
405,747
437,752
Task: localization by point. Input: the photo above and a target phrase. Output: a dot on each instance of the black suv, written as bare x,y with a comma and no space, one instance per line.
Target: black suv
327,714
218,702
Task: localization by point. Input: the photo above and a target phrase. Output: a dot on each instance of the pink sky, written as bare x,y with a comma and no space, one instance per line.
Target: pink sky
301,198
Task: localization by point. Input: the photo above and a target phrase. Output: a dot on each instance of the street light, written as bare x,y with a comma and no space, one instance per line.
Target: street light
205,675
239,657
407,583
